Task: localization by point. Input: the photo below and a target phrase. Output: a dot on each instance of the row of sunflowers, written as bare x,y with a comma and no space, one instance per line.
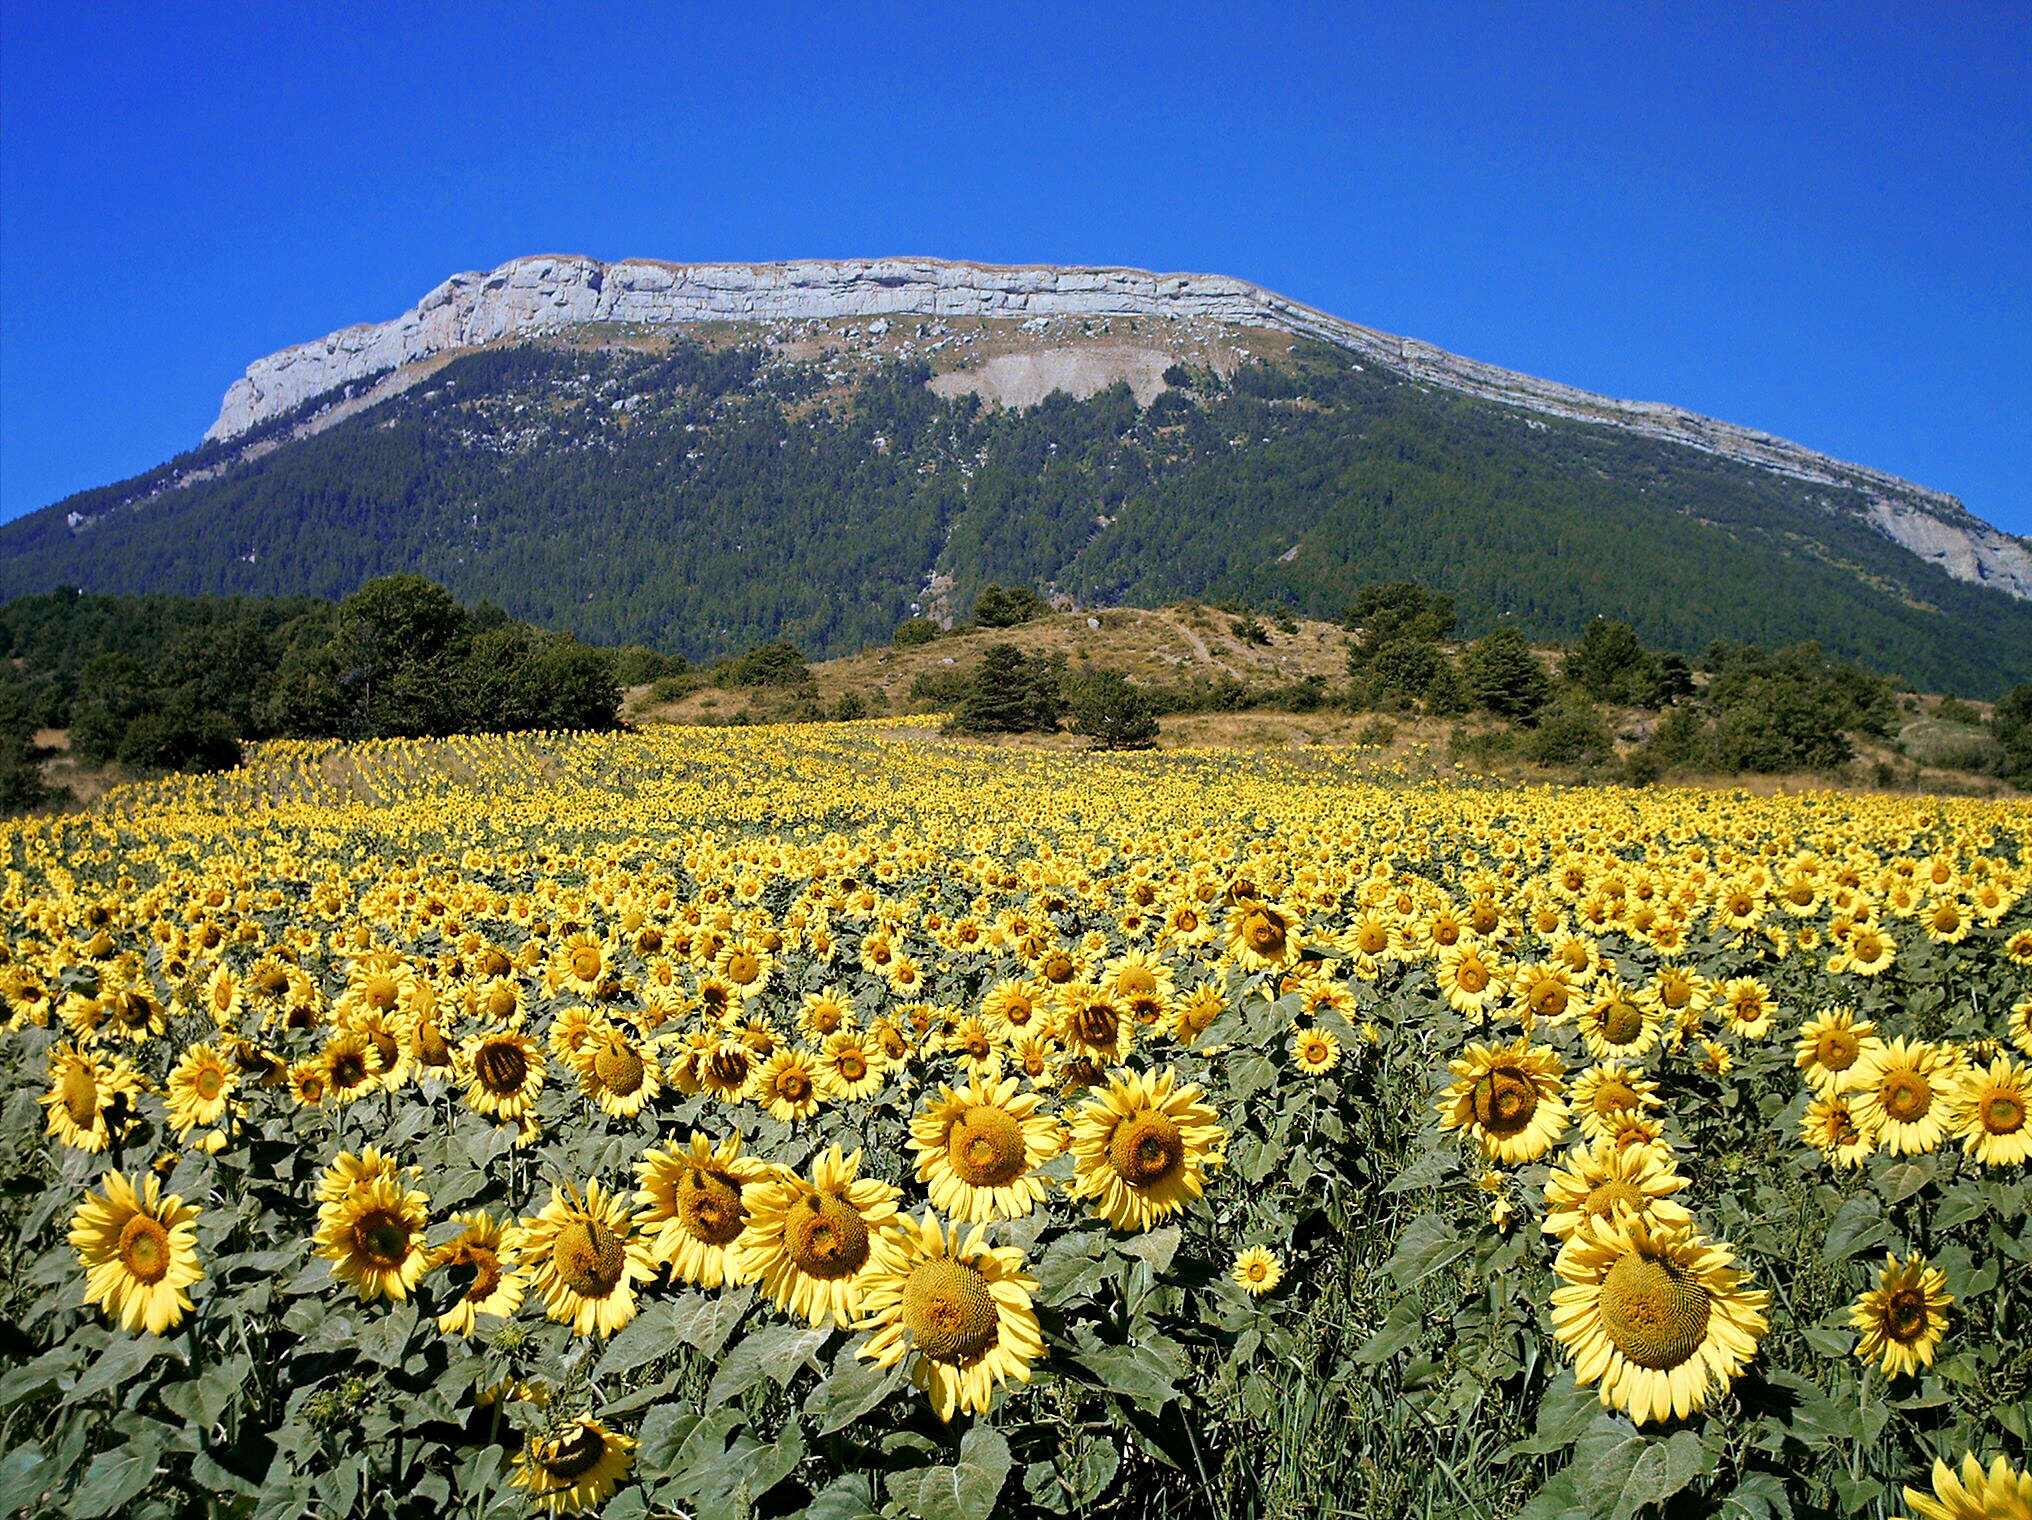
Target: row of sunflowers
841,1122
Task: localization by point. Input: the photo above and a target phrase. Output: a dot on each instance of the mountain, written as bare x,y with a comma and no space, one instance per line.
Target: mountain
706,456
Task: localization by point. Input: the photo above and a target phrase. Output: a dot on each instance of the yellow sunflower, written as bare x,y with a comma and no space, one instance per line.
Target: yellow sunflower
1508,1097
1830,1046
1607,1095
1315,1051
963,1308
485,1250
502,1070
1471,977
1263,936
1596,1180
1615,1025
1902,1095
585,1258
1903,1318
1656,1316
618,1071
1256,1271
2003,1493
788,1085
849,1068
1747,1007
693,1206
86,1096
576,1469
979,1149
1141,1148
352,1066
809,1242
374,1238
200,1089
139,1251
1091,1025
1987,1110
1829,1125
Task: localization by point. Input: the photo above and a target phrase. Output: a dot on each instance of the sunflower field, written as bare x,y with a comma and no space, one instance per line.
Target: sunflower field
839,1122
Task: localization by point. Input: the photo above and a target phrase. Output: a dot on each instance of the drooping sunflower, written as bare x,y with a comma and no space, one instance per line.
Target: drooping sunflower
1315,1051
1831,1045
139,1251
1508,1097
86,1095
1263,936
576,1469
1901,1095
1829,1126
374,1238
2003,1493
618,1071
348,1173
963,1307
1614,1025
1596,1180
585,1258
979,1149
1987,1113
200,1089
1904,1317
693,1206
1656,1316
809,1242
486,1249
503,1071
1256,1271
728,1069
1091,1025
1141,1148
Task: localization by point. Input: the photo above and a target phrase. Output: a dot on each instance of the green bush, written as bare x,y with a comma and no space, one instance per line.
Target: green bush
1500,674
774,664
914,630
1570,732
1953,746
1007,606
1010,692
1107,709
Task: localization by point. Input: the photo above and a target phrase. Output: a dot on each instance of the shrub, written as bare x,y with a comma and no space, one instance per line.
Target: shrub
1390,610
1249,630
1009,692
1953,746
847,707
1107,709
1571,732
913,631
1008,606
673,688
1501,674
776,664
639,665
1610,665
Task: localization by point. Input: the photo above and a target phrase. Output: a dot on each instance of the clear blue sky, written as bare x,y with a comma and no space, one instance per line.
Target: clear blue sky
1813,219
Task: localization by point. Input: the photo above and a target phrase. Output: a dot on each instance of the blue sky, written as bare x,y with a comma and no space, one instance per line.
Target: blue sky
1812,219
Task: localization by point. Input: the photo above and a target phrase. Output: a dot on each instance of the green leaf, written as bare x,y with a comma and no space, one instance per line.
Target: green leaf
850,1497
774,1352
1858,1226
1423,1247
202,1399
1564,1413
1157,1247
1902,1179
965,1491
706,1320
650,1334
664,1431
1555,1500
115,1477
1137,1373
855,1387
1622,1471
119,1365
1398,1331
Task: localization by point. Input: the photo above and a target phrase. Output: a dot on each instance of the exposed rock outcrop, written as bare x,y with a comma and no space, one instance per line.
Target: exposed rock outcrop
538,295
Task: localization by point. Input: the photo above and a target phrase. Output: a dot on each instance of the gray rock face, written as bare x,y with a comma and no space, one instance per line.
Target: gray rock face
538,295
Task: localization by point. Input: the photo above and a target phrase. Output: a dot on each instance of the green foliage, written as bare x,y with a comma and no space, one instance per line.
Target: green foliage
1570,732
1391,610
720,509
2011,721
775,664
1403,674
1008,606
1105,707
1009,692
913,631
1951,709
639,665
1953,746
1610,665
1791,709
1500,673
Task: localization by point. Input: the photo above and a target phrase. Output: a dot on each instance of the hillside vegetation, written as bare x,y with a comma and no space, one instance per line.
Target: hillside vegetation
710,498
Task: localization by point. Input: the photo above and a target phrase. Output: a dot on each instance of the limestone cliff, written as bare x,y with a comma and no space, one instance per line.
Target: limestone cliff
540,295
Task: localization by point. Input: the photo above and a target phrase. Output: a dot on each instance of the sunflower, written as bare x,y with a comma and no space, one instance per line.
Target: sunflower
1508,1098
746,966
308,1083
825,1014
693,1206
1987,1113
849,1068
1470,977
808,1243
1614,1024
1903,1318
788,1085
1831,1045
979,1149
503,1071
200,1089
139,1251
2021,1025
1542,993
1256,1271
1747,1007
2003,1493
1315,1051
618,1072
352,1066
1192,1015
1263,936
1868,951
349,1173
1141,1148
1653,1314
585,1258
1016,1005
1598,1179
580,963
484,1247
576,1469
964,1308
1829,1125
374,1238
86,1096
1091,1025
1901,1095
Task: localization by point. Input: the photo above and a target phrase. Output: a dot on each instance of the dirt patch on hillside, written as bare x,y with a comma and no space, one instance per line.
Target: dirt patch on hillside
1017,380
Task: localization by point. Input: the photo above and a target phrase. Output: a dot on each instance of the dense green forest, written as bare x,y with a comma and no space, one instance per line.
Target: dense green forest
711,500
